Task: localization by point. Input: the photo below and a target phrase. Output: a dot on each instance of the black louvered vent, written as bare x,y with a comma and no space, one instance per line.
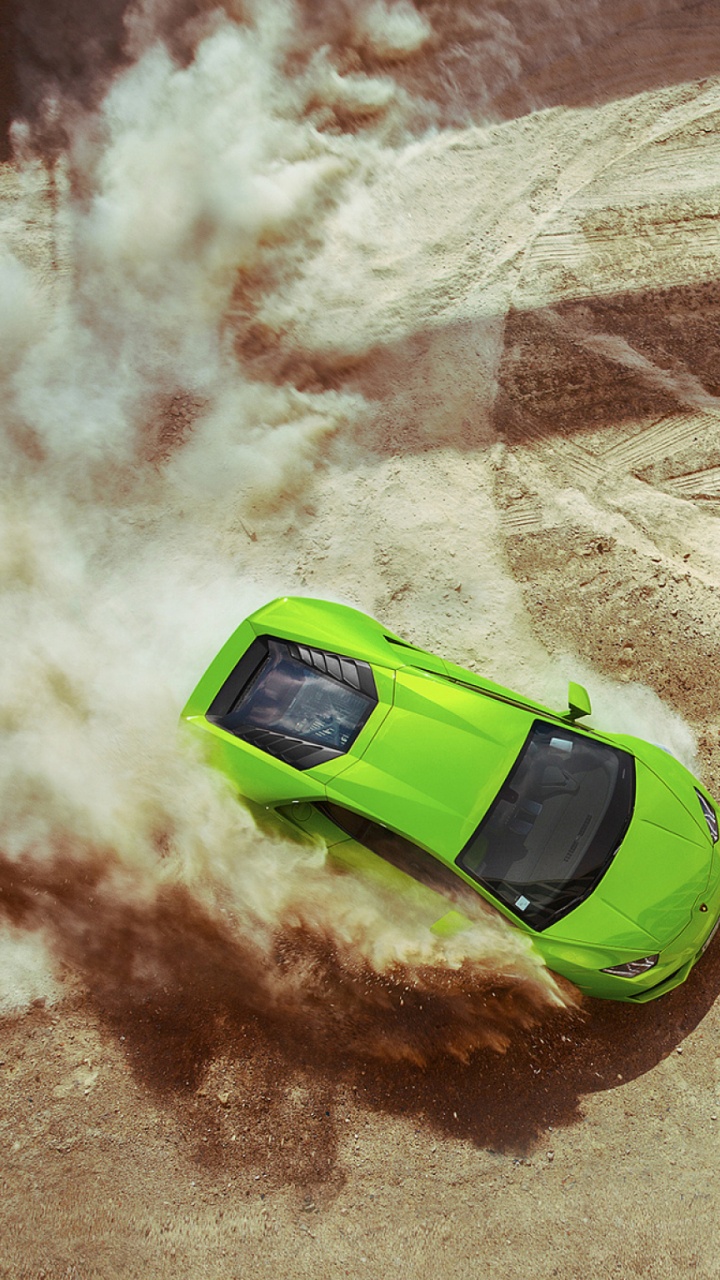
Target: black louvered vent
294,751
357,675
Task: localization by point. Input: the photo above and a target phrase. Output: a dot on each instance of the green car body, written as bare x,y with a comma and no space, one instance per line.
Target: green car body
601,847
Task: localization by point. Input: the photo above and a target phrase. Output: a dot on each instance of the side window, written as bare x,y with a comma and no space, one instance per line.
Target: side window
406,856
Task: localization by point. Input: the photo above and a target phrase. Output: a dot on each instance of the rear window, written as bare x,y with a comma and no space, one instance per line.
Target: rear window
301,705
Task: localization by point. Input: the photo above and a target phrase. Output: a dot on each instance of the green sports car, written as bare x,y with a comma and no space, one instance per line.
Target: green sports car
601,847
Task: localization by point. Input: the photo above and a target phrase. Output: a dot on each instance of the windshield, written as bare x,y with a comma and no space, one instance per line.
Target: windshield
555,826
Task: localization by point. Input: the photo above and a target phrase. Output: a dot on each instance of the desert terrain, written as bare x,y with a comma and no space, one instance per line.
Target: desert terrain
415,307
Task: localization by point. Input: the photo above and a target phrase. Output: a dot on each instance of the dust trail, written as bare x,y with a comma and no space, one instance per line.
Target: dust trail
26,971
137,445
194,423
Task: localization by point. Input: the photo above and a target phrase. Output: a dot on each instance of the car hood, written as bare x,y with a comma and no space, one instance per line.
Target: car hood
655,881
436,762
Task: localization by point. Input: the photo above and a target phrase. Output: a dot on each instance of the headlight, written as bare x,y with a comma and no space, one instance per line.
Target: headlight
710,816
633,967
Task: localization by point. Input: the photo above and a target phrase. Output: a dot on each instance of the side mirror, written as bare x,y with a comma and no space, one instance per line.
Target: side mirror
578,702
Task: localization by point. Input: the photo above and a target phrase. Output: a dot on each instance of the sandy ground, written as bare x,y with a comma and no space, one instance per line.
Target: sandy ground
527,299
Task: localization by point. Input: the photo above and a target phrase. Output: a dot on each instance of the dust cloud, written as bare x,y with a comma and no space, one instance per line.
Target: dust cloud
254,312
157,426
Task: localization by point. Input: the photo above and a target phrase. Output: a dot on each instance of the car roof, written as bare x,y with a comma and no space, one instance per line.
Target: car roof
432,756
436,761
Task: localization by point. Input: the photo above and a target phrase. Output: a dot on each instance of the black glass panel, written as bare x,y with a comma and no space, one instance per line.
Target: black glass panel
555,825
295,703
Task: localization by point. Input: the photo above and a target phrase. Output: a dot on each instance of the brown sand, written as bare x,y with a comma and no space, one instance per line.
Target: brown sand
530,304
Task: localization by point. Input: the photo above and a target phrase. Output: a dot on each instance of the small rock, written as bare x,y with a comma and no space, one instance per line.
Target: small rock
224,1099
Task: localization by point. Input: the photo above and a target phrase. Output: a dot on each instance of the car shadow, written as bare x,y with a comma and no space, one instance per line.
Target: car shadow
264,1074
502,1102
507,1102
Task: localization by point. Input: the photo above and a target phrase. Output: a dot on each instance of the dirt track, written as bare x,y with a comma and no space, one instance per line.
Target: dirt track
486,365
